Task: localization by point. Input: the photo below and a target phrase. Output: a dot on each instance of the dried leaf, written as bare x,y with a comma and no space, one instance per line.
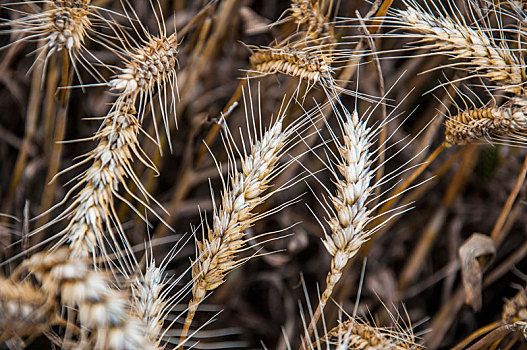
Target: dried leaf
476,254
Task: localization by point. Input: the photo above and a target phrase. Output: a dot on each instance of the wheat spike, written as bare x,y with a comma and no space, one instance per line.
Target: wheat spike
24,310
351,215
354,334
309,13
304,63
104,313
216,254
481,53
515,309
62,24
149,68
484,123
92,210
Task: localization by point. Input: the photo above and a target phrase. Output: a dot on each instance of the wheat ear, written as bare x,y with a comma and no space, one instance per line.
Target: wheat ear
217,254
149,68
309,13
310,64
62,24
149,301
351,215
355,334
24,310
104,313
453,37
473,125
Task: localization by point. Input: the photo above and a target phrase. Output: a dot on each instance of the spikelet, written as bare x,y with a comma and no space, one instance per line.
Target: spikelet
103,312
24,310
480,53
357,335
485,123
309,64
515,309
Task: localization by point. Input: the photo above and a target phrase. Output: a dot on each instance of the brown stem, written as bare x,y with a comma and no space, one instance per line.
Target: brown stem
476,334
496,233
193,307
60,131
496,334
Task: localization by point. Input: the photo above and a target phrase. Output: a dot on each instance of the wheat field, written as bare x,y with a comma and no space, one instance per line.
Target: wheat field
303,174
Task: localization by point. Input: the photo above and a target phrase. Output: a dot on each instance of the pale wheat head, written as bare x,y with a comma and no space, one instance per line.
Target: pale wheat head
480,53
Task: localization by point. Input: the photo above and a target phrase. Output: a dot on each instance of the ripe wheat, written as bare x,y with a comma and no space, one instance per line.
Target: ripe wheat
479,52
485,123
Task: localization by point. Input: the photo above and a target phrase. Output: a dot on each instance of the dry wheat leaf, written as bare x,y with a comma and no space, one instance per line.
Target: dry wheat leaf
476,254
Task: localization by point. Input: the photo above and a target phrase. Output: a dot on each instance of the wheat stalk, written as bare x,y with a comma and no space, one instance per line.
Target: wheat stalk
480,52
487,122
